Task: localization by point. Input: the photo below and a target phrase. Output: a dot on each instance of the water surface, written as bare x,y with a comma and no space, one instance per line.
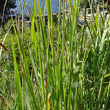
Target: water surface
29,3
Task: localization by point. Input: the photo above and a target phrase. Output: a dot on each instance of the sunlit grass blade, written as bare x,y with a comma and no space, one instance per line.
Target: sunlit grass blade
17,79
33,22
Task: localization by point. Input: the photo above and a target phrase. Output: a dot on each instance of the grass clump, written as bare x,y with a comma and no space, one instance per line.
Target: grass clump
59,66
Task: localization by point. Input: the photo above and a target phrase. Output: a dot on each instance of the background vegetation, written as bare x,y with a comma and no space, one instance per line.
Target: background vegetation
5,5
59,66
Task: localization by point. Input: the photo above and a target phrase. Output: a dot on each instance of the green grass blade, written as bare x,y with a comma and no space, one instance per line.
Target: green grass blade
17,79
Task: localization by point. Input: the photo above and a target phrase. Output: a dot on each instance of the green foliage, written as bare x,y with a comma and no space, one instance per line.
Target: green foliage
59,66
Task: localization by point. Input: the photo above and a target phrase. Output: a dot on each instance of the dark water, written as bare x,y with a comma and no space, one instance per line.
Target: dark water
29,3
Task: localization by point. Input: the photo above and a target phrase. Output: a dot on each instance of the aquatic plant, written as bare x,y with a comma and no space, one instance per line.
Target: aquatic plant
69,64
